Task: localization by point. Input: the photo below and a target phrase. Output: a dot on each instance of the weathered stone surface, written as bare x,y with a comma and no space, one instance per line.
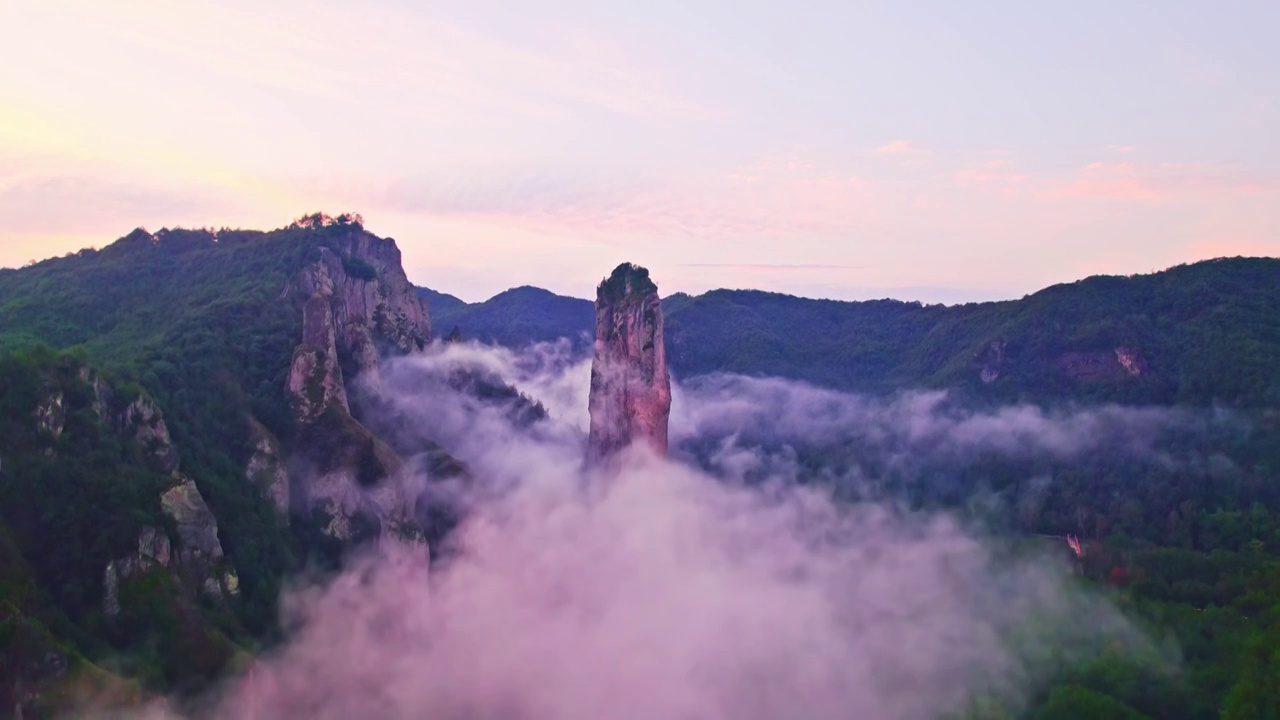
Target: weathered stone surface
111,590
153,551
1131,360
990,361
51,414
266,467
197,527
630,387
103,395
1118,364
373,305
315,378
143,420
358,506
359,305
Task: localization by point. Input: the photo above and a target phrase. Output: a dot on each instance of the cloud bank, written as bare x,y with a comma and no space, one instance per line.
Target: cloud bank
661,590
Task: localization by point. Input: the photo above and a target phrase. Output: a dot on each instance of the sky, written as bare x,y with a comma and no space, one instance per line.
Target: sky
941,152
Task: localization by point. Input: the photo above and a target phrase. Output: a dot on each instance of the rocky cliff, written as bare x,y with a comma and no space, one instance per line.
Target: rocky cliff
371,306
356,305
199,561
630,387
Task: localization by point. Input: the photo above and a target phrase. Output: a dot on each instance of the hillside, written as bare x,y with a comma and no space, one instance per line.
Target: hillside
1201,333
515,317
235,350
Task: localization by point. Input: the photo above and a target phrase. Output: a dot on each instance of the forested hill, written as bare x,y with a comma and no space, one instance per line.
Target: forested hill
1200,333
515,317
205,326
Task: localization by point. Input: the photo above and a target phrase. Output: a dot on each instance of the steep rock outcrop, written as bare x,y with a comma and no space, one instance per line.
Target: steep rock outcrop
199,553
103,395
315,377
266,467
630,387
51,413
142,419
154,550
358,306
374,307
194,555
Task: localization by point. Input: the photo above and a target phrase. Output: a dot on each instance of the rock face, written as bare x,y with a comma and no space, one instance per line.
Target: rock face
154,551
266,466
51,415
990,360
630,387
372,306
197,528
142,419
357,305
1118,364
315,378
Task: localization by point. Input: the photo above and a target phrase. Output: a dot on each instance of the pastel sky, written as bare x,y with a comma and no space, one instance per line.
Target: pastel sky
939,151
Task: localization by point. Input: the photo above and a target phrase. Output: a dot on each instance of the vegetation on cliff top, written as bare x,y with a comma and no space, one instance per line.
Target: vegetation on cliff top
627,281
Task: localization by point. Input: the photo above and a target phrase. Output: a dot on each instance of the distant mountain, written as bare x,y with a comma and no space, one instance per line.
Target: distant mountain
1201,333
441,304
515,317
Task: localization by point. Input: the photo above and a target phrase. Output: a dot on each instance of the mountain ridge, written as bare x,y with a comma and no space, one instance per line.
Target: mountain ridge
1085,339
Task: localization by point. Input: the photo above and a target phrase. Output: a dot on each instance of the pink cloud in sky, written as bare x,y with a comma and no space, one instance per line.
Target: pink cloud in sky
993,176
899,147
1110,181
1152,183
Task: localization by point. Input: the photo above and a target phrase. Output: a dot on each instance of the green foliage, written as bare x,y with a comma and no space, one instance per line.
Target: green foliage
1072,702
203,322
516,317
73,501
359,269
627,280
1209,332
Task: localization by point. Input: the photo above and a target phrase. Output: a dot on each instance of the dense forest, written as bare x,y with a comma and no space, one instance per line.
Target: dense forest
197,321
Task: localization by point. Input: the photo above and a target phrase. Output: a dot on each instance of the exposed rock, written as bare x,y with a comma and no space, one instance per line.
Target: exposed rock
374,307
197,527
1098,366
630,387
153,546
103,395
231,582
111,590
143,420
1131,361
51,415
154,551
359,305
990,360
315,378
358,492
266,467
